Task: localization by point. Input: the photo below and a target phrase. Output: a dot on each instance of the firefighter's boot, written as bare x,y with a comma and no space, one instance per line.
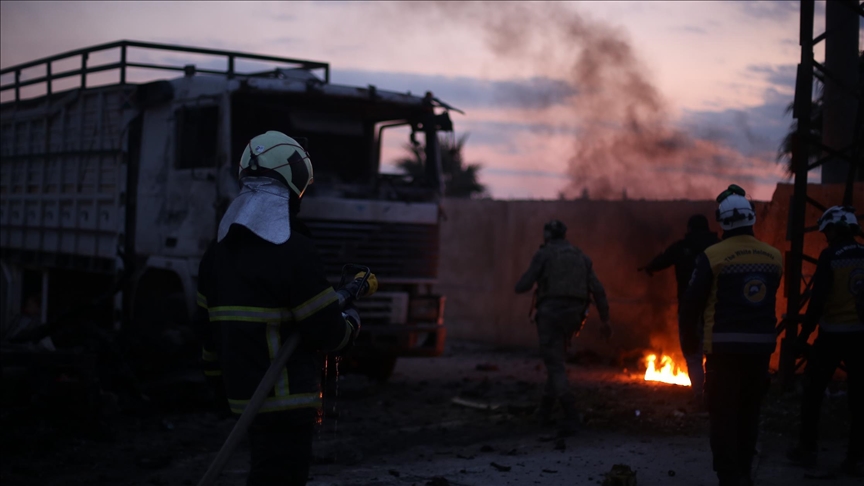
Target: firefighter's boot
572,421
543,413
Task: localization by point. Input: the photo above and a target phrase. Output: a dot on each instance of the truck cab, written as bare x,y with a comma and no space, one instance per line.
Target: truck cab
124,185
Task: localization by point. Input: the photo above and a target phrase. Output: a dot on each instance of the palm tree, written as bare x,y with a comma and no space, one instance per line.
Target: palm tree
788,145
460,179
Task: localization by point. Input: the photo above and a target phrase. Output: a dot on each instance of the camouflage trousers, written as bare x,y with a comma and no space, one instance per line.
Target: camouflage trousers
556,325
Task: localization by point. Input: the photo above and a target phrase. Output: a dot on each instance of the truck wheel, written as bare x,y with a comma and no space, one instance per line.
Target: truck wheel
162,336
379,368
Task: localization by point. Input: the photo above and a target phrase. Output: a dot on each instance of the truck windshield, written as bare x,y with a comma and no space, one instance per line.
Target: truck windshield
341,137
340,143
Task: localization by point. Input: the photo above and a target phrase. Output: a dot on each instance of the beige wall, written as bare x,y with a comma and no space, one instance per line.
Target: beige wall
486,245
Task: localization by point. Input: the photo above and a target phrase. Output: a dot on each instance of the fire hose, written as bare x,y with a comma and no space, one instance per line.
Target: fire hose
362,285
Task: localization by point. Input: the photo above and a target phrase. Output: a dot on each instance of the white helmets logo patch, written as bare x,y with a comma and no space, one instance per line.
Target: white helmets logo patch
755,290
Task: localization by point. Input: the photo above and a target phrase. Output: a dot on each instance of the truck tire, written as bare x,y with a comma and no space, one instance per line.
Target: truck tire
163,339
378,368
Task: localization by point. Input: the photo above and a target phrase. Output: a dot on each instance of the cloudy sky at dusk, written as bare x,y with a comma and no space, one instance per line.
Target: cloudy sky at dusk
663,99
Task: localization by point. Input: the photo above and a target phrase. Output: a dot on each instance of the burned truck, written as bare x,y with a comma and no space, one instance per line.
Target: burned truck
110,194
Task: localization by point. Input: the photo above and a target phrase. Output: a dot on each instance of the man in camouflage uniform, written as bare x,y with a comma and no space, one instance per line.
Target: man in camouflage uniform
565,284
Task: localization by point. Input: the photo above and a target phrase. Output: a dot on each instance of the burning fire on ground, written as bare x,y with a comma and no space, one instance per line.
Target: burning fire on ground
667,371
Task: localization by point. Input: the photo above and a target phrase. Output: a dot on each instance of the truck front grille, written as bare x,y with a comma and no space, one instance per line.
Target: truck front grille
384,308
391,250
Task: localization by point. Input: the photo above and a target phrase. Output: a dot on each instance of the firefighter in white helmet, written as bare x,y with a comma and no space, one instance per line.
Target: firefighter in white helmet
260,281
838,285
731,296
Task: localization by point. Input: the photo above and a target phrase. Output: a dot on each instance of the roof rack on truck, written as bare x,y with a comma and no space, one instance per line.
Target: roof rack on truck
124,64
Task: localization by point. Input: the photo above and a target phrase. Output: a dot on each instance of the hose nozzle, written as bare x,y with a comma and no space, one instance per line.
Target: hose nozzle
358,288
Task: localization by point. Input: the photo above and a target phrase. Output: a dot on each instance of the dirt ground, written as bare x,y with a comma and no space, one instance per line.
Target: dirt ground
409,431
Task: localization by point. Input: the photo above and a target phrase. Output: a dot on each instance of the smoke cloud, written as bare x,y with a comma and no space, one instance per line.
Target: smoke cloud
626,141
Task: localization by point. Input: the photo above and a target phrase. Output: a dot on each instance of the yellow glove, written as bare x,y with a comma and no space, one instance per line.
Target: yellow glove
371,283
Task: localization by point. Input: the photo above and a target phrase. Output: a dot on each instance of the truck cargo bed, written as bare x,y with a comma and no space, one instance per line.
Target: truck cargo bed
62,177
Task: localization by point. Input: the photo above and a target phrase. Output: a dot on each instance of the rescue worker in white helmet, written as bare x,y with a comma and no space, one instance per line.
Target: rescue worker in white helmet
566,282
732,295
259,282
837,284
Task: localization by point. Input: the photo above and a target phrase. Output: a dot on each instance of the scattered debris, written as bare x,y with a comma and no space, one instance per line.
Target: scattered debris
824,475
473,404
679,413
620,475
521,408
438,481
500,467
487,448
480,390
550,471
586,357
486,367
157,462
464,456
671,473
561,445
394,473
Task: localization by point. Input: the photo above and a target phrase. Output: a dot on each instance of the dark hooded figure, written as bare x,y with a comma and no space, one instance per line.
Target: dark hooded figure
682,254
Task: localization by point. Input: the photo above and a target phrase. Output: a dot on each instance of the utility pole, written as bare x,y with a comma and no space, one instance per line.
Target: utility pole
841,146
840,75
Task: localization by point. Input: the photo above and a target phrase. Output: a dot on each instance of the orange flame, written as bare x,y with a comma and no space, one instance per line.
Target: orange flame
668,372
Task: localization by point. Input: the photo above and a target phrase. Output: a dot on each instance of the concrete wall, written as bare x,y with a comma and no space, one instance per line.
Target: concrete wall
487,245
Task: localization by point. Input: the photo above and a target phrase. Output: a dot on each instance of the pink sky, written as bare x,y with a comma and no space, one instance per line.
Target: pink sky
721,71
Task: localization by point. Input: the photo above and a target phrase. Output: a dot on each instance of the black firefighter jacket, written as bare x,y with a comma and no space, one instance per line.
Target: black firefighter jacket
252,295
683,255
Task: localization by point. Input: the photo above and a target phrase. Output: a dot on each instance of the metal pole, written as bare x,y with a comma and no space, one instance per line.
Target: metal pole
123,64
84,70
802,109
44,304
48,77
839,103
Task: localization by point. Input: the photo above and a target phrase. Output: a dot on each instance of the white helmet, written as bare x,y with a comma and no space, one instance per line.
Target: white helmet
735,210
840,215
278,156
